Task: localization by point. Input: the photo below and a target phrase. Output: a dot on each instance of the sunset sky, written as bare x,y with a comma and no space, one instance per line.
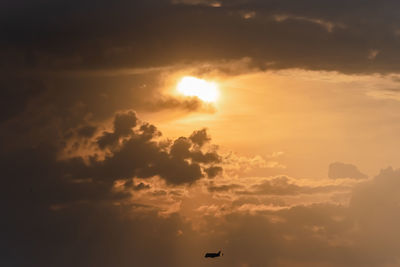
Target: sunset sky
147,133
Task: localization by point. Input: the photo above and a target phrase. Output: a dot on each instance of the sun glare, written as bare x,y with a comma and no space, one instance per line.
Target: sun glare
191,86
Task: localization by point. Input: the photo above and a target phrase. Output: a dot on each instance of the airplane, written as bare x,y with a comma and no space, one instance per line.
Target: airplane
213,255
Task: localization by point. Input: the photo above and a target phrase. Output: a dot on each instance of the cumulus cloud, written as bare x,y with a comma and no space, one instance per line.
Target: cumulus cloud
137,153
117,209
85,182
200,137
362,233
50,197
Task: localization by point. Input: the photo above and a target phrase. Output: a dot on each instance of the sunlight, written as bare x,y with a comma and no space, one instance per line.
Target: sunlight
191,86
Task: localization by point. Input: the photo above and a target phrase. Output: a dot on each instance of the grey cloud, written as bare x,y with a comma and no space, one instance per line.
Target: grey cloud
328,36
15,95
138,155
51,205
76,100
213,171
361,234
200,137
339,170
87,131
49,212
123,124
208,157
137,187
186,104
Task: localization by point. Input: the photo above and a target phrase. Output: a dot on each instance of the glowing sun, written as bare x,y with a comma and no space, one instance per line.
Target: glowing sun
191,86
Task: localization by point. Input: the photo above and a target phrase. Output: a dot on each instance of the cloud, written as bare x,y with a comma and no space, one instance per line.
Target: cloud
210,3
200,137
362,233
85,182
136,153
187,104
222,188
50,202
235,164
87,131
123,124
103,217
15,95
339,170
213,171
329,26
309,35
373,53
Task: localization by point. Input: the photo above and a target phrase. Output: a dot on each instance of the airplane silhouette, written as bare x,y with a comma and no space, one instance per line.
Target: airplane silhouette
213,255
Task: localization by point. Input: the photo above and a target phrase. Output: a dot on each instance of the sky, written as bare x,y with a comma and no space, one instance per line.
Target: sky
148,133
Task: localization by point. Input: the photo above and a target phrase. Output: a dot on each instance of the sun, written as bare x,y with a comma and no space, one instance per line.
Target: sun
192,86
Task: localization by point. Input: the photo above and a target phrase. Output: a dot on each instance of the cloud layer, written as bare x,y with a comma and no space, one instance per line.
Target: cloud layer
87,182
109,190
313,35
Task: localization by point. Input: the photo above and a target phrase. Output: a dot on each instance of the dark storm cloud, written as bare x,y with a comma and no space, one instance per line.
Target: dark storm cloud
44,122
49,200
136,153
339,170
33,140
311,34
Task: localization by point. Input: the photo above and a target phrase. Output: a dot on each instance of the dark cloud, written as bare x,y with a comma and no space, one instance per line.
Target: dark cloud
200,137
49,201
61,84
63,212
78,35
87,131
74,99
15,94
123,124
135,153
339,170
213,171
83,235
186,104
137,187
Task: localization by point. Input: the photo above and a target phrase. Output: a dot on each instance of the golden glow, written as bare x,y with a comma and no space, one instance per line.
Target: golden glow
191,86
